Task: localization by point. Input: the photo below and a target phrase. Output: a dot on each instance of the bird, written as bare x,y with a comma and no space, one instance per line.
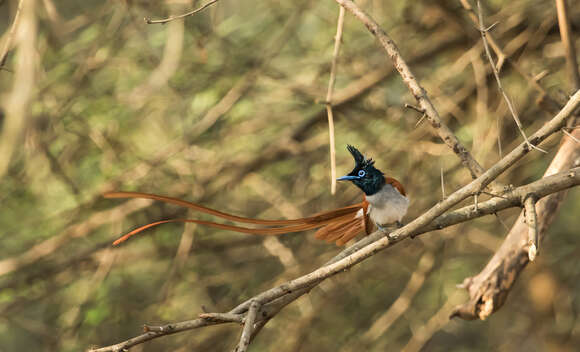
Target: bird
388,201
384,204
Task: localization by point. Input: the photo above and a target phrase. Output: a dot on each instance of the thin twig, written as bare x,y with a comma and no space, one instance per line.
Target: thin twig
416,108
191,13
419,110
442,185
509,103
570,135
421,120
329,93
545,101
501,56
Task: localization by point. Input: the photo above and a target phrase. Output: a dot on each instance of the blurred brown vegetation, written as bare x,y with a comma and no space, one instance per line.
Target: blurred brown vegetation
223,108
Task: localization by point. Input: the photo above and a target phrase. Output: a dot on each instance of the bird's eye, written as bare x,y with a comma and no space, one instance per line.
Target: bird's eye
361,173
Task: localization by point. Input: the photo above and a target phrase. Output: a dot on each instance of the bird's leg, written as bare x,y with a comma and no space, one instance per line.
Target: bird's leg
389,228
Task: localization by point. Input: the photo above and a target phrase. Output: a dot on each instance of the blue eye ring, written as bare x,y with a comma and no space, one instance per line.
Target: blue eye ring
361,173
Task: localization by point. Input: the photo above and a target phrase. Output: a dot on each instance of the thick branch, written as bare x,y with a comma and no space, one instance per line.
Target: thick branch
488,290
474,187
540,188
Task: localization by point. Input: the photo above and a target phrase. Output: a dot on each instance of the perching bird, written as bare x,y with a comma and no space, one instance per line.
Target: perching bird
384,203
385,195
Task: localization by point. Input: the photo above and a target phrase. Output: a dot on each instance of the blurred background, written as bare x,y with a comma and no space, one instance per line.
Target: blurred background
225,108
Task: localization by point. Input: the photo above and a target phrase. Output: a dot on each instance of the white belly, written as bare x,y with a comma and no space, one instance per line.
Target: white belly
387,206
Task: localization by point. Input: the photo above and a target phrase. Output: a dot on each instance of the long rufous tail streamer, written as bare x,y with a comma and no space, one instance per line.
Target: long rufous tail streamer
338,225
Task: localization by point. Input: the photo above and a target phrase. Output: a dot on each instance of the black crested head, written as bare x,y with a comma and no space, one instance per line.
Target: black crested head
359,159
364,175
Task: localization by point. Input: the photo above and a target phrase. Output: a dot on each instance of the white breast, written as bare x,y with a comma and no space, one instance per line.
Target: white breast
387,206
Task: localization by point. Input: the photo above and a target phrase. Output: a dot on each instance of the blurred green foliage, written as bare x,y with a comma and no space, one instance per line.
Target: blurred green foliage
223,108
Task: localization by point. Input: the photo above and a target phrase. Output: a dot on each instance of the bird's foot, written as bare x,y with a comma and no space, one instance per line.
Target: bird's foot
388,229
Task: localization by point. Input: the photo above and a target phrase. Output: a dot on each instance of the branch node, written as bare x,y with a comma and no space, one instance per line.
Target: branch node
222,317
160,328
485,30
416,108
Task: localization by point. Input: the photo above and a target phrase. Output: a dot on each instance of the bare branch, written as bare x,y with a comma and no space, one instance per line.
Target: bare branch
545,101
509,103
156,332
410,229
277,298
415,88
273,300
191,13
489,289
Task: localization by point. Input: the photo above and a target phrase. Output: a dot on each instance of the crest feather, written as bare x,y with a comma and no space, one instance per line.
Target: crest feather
359,159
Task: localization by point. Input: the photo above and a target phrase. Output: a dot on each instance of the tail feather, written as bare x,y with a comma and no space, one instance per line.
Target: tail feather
340,224
348,229
325,233
200,208
349,234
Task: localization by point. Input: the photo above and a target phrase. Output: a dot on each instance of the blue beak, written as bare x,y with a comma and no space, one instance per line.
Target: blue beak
348,178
